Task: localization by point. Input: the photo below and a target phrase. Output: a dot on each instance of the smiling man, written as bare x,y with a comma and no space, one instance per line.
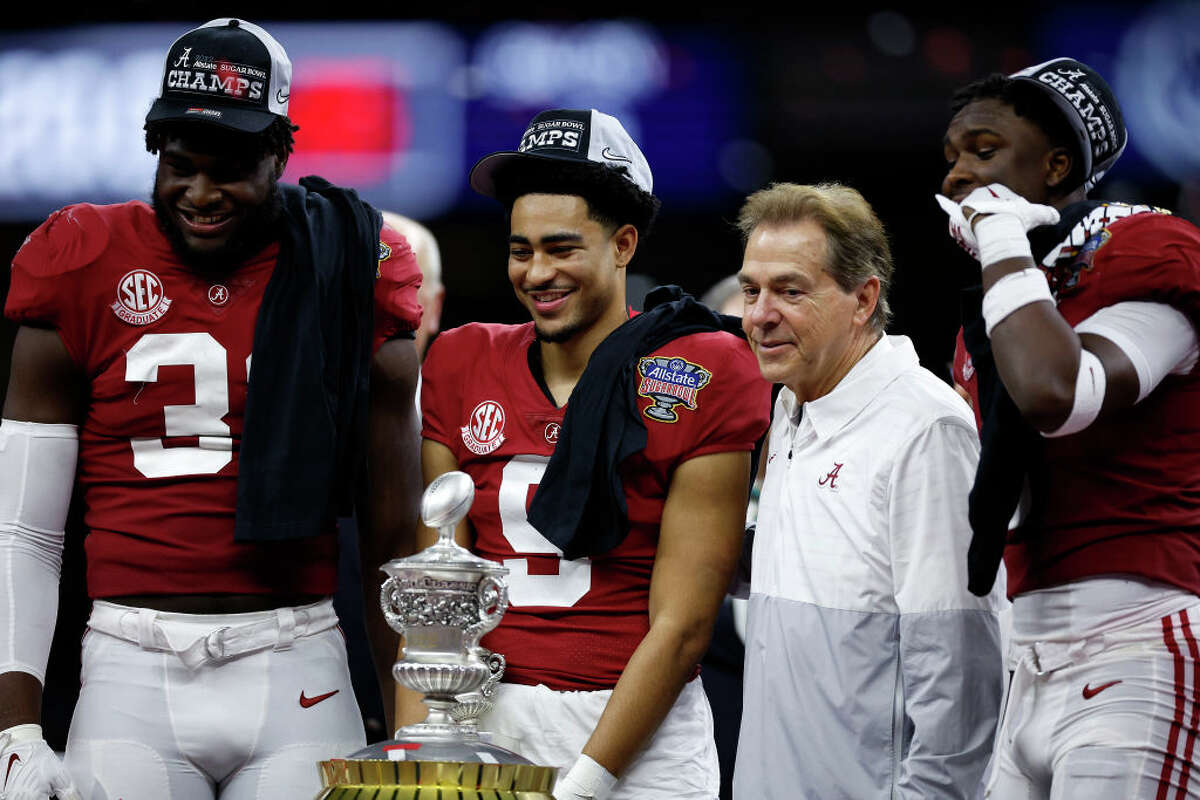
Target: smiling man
211,365
636,435
1080,350
871,672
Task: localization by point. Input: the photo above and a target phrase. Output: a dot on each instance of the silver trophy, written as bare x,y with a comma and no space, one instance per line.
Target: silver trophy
443,600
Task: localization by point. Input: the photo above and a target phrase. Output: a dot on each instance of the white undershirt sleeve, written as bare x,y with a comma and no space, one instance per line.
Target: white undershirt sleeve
37,472
1156,338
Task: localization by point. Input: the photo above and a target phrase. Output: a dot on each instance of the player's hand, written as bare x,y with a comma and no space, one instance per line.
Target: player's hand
31,770
997,198
586,780
960,230
986,201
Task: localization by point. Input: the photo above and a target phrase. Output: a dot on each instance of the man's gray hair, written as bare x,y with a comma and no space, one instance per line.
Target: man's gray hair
856,245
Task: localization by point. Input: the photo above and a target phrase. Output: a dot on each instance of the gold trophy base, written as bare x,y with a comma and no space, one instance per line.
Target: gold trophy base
355,779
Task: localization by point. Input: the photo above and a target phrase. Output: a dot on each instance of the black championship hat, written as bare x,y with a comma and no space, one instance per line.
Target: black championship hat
1090,107
227,72
570,135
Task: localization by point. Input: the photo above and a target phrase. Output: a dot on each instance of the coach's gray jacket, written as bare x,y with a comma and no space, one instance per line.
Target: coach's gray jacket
871,672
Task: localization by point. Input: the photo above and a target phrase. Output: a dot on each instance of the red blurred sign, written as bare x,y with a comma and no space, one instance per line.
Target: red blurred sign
354,120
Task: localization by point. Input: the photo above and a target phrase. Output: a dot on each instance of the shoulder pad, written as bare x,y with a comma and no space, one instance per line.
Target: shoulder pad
397,279
69,239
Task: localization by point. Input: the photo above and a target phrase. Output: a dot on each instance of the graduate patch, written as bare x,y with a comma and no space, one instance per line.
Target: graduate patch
670,381
141,298
484,431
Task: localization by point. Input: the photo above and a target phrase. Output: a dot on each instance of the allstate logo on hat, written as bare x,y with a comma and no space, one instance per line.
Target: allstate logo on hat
570,135
1090,107
228,72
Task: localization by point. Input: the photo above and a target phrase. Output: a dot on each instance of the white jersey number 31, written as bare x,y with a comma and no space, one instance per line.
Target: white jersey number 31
204,418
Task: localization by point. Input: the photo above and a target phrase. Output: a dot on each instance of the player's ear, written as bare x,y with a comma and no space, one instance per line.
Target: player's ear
1058,164
625,241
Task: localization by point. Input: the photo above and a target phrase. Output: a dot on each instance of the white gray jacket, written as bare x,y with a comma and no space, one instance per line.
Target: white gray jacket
871,671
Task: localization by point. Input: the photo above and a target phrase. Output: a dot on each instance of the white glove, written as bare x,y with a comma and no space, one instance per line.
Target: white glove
1001,236
31,770
586,780
960,230
997,198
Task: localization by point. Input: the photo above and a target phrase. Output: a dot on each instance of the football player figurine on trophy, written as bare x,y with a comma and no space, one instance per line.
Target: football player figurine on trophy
442,600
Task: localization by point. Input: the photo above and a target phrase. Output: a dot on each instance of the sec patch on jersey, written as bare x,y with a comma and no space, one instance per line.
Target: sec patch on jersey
484,431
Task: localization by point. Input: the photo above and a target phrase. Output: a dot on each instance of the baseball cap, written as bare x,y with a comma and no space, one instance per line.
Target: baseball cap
1090,108
227,72
579,135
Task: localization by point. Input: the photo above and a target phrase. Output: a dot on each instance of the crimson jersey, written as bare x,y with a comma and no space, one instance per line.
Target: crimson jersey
1123,495
572,625
167,356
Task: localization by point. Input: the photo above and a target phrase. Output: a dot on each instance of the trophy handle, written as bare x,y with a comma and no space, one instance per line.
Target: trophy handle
493,602
389,594
496,663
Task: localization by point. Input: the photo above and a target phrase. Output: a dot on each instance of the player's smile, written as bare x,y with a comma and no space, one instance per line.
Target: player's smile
205,225
548,301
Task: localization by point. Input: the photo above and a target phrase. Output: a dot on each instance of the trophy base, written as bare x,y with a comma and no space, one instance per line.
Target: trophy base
447,769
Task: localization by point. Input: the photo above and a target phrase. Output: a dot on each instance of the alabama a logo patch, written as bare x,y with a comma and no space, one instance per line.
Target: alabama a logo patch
141,298
670,381
484,431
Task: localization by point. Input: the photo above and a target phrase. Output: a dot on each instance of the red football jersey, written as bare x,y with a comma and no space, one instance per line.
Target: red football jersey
572,625
1123,495
167,355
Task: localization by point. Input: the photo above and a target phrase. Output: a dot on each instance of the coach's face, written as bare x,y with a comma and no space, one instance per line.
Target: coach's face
567,269
987,142
806,331
213,199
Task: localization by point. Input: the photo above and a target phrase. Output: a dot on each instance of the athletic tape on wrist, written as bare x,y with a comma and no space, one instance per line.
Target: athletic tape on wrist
588,778
1013,291
1090,384
1001,236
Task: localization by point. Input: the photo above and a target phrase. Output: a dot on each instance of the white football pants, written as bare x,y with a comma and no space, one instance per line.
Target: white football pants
550,728
196,707
1115,717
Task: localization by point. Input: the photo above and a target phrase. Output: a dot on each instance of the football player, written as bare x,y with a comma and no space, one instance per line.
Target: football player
210,364
1080,351
633,439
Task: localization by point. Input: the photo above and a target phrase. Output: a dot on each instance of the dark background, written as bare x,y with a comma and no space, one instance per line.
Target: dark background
819,97
816,95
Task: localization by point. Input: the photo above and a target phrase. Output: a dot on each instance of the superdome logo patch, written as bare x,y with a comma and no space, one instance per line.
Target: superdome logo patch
670,381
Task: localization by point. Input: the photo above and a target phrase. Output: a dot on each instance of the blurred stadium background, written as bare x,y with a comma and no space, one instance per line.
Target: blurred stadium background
723,101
